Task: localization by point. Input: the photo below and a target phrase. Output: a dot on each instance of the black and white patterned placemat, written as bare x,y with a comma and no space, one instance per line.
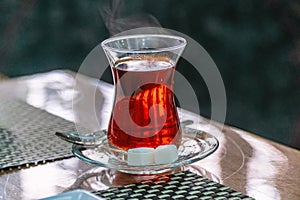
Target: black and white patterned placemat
181,185
27,135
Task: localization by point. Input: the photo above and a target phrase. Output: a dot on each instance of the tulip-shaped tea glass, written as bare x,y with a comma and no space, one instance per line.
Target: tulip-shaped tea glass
144,112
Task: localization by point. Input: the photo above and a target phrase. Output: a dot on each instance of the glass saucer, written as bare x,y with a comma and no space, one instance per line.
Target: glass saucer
195,145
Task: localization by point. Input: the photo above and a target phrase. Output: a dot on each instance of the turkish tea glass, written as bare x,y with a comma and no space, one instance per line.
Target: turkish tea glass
144,112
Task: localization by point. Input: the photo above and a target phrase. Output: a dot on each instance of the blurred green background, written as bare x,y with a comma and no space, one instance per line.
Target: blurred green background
255,44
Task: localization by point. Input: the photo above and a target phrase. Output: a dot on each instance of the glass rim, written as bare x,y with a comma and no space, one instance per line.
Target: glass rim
162,49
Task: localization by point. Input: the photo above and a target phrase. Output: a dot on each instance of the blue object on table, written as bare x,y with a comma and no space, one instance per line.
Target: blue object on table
74,195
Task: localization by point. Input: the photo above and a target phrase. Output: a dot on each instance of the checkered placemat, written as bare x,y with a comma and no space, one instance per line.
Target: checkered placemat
27,135
182,185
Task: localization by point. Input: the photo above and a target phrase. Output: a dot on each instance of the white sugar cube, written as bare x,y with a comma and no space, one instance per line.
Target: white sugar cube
140,156
165,154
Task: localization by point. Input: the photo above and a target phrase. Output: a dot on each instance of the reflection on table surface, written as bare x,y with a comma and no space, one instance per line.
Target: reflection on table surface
245,162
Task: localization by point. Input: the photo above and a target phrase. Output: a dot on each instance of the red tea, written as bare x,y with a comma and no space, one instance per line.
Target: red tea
144,113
